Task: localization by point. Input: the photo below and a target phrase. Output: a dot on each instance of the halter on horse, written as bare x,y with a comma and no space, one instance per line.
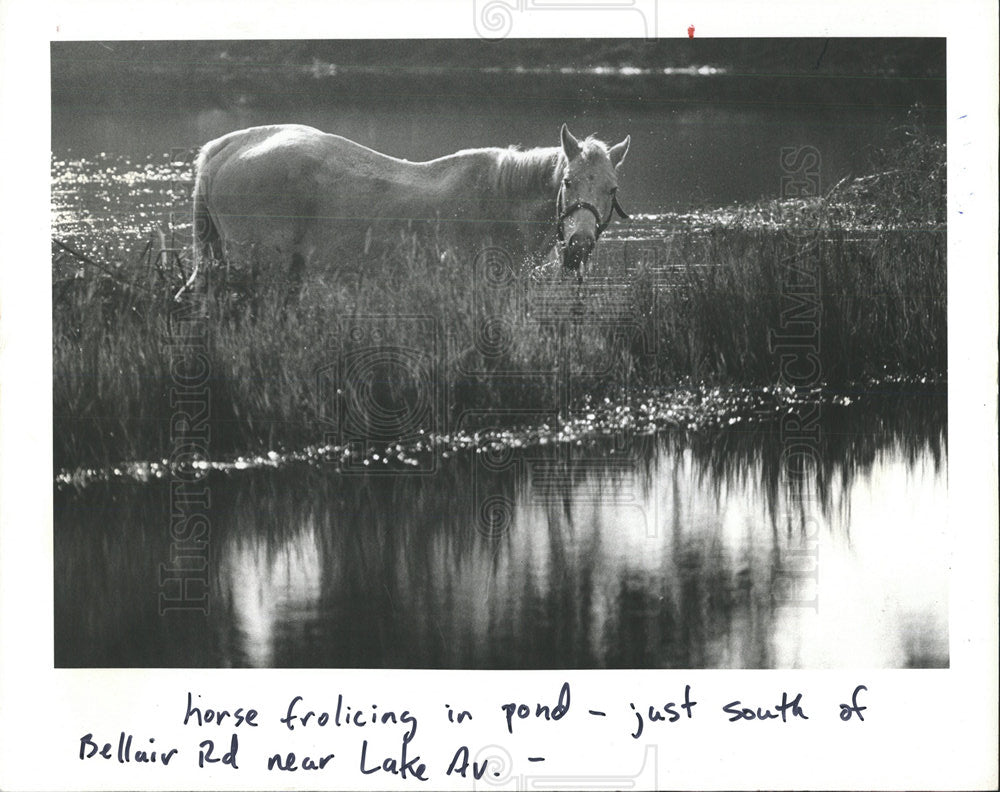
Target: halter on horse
564,212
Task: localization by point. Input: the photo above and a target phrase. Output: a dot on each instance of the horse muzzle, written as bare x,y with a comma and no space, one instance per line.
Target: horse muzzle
577,251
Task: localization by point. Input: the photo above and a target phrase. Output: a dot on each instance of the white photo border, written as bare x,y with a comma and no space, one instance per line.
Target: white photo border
927,729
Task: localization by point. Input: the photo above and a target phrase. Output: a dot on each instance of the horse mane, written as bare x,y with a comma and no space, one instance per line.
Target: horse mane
528,173
537,171
593,149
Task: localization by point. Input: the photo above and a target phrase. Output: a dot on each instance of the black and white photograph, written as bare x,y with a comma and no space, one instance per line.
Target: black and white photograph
531,395
518,354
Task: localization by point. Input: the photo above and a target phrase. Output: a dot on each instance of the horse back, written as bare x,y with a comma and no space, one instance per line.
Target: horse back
293,190
285,185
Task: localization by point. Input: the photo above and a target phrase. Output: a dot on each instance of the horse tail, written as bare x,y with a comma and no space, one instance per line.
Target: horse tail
207,240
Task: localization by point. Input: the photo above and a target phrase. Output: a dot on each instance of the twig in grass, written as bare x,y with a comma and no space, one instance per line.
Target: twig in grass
833,190
102,267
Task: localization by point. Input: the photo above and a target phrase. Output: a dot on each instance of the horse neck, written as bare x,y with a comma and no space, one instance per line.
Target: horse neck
499,174
529,176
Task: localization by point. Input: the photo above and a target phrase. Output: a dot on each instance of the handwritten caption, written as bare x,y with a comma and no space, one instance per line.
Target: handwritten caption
300,716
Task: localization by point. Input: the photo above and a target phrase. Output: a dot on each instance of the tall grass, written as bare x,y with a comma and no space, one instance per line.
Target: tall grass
489,337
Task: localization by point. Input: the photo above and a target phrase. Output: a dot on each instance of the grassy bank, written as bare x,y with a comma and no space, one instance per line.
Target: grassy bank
421,338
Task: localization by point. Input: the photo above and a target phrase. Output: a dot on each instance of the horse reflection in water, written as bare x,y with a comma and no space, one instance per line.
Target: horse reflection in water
296,195
690,552
667,563
263,580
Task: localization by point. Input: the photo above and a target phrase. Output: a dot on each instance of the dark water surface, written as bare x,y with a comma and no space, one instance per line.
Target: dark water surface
706,549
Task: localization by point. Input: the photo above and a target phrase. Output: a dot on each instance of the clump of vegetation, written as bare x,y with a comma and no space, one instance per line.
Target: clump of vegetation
868,260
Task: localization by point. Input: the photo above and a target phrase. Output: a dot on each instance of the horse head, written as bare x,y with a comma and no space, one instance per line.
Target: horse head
587,196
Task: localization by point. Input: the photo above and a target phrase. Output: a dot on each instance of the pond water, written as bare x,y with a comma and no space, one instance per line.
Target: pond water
719,548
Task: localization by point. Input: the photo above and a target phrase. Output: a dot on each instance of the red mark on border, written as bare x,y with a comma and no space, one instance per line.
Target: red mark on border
690,31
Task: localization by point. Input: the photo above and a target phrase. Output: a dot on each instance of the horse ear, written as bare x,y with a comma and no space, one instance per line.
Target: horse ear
617,152
571,146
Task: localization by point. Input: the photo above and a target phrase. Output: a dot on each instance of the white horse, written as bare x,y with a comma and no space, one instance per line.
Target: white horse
301,196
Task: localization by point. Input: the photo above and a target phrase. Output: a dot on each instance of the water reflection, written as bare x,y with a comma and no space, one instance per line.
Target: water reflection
704,550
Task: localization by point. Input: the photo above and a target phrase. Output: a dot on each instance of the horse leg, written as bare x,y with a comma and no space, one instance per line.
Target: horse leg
303,246
296,278
207,243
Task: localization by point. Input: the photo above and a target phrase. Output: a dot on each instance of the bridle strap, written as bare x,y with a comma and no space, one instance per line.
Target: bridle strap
563,213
